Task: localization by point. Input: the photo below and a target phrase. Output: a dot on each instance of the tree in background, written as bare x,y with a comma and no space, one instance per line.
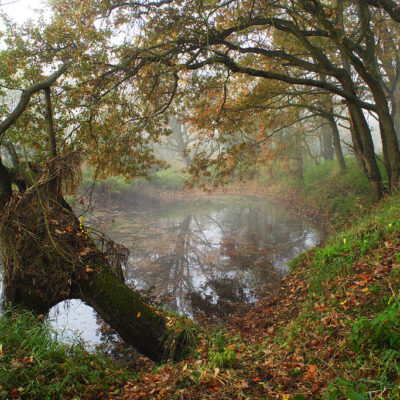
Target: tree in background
180,140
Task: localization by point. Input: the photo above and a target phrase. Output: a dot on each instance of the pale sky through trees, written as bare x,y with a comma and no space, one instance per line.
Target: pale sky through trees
20,10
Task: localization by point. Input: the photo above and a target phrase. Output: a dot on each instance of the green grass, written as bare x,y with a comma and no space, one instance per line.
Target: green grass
324,188
342,249
33,365
338,194
374,329
119,186
220,353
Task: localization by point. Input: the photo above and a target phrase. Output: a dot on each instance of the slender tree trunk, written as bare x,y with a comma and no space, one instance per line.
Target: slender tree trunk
327,145
336,144
370,72
389,138
386,159
49,123
396,109
361,134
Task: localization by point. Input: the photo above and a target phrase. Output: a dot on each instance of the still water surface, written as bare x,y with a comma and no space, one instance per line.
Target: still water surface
204,256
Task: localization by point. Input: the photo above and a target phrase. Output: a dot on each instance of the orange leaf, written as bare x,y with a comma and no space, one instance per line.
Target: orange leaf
312,372
85,251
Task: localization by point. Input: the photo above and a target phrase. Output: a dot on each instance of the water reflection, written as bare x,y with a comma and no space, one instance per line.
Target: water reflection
208,255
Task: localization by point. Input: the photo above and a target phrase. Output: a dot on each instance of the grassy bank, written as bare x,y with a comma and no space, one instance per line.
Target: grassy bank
332,332
33,365
351,314
323,191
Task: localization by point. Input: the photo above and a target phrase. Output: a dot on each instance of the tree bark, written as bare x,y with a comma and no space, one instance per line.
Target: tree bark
386,159
396,109
362,141
360,131
51,134
126,312
370,72
49,257
336,144
327,143
389,138
5,185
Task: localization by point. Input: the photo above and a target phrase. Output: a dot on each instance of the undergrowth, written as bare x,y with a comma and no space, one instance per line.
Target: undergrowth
348,276
114,186
344,248
324,189
334,333
34,365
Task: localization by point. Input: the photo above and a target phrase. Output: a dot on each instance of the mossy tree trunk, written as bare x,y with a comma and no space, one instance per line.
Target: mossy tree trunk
125,311
50,257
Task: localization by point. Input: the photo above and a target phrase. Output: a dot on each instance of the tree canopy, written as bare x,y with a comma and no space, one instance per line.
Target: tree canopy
242,71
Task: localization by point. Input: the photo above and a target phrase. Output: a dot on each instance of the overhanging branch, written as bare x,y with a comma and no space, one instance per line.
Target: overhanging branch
26,96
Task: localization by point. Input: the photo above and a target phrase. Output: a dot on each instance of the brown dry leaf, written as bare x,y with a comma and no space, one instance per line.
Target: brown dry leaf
85,251
312,372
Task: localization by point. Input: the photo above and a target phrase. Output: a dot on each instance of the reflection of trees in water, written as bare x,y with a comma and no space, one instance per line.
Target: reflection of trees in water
227,293
259,233
173,261
219,258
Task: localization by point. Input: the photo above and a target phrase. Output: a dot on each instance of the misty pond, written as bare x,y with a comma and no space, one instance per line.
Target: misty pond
208,255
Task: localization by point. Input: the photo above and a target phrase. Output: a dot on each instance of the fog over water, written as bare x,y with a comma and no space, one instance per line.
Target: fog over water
206,256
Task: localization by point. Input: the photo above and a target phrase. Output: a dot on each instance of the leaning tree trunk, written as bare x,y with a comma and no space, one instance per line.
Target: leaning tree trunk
50,257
